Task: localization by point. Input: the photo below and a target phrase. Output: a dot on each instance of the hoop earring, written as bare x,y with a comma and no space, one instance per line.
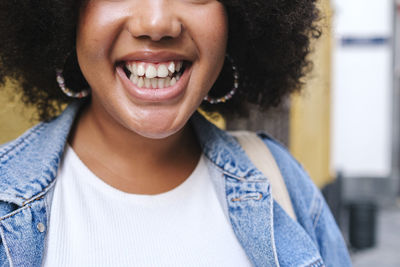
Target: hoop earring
230,94
66,90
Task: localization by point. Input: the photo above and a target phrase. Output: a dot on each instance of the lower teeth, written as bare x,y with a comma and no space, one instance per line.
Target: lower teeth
155,83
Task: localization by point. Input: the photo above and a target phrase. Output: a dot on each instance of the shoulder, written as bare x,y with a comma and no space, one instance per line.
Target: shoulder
312,213
292,171
307,199
13,148
43,135
280,152
311,209
29,163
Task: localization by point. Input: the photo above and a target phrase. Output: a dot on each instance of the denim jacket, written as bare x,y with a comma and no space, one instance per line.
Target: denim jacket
28,167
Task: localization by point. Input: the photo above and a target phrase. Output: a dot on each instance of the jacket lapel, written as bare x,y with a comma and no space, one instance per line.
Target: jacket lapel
262,227
248,194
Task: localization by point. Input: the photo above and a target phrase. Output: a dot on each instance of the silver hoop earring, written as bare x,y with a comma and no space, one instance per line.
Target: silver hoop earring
66,90
230,94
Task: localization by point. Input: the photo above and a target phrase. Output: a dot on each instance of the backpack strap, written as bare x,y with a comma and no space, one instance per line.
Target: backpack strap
261,156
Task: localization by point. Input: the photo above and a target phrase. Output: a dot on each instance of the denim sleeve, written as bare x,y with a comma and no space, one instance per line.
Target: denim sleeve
329,238
312,212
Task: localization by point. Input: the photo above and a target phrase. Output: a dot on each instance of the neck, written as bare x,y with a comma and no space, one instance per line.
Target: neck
131,162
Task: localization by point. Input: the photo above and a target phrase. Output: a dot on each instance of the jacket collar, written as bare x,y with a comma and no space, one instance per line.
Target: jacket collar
28,165
224,151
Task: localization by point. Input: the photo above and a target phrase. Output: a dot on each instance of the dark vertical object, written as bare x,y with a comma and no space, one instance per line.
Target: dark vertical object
362,226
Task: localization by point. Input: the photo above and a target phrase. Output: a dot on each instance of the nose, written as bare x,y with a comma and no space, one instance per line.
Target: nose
155,20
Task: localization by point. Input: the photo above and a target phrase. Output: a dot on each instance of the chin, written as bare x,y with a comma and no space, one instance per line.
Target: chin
156,133
152,121
158,128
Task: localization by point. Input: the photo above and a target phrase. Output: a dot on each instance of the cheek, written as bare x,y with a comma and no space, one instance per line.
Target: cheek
210,33
213,30
216,38
98,27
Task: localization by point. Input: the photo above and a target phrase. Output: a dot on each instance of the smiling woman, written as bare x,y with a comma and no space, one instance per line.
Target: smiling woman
114,34
130,173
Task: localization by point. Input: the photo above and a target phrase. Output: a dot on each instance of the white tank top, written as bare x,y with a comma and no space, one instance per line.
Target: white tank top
94,224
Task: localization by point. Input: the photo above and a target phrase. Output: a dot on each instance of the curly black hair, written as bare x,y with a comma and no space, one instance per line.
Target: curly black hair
269,41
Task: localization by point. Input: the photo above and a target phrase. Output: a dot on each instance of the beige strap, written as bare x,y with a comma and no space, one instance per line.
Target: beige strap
262,158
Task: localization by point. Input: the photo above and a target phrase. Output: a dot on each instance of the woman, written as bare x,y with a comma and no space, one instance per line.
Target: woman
131,174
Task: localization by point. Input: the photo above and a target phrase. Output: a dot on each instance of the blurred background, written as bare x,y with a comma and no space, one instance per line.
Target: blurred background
344,127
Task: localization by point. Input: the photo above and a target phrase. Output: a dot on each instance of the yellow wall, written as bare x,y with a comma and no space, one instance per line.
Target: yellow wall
14,117
310,111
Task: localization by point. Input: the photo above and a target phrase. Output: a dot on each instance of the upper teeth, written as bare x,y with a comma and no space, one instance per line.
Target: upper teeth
149,70
154,76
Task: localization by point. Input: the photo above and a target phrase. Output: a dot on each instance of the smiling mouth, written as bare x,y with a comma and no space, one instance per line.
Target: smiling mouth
155,75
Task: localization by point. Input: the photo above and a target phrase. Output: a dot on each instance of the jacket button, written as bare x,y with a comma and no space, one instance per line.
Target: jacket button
41,227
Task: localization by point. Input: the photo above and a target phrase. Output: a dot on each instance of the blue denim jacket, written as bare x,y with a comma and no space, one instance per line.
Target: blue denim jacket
28,167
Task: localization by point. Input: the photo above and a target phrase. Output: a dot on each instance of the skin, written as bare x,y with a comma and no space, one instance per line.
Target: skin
122,138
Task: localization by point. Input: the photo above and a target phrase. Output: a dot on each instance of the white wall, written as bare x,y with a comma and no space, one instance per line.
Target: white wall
362,89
